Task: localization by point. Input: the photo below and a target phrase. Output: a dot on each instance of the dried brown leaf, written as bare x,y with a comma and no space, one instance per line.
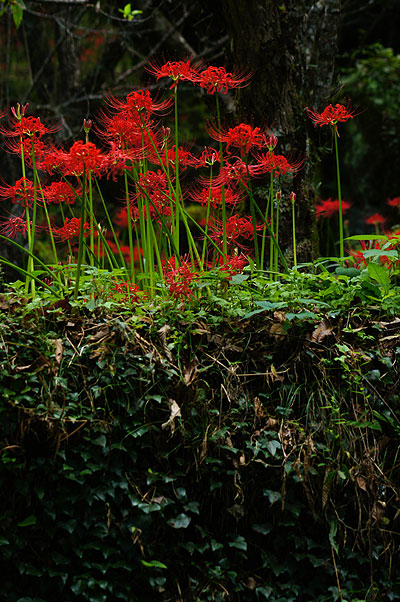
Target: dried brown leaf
276,331
323,330
362,483
190,373
175,413
59,349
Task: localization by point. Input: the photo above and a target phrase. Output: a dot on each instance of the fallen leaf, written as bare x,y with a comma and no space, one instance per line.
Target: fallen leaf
323,330
59,350
190,373
175,412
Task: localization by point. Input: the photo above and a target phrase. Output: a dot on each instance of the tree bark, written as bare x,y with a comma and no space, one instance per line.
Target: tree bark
291,48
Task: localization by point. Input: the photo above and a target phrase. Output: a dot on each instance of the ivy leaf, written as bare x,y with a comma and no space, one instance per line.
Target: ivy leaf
28,521
180,522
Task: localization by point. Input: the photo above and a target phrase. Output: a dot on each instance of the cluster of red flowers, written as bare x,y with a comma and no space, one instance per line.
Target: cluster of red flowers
237,229
331,115
212,79
359,259
124,292
330,207
71,229
137,147
179,278
13,226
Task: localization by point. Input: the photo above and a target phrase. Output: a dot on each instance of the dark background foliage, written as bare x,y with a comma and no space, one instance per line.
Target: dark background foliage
66,56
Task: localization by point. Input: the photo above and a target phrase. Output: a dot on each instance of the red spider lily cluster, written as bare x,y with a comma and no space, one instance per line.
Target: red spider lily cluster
152,238
331,115
329,208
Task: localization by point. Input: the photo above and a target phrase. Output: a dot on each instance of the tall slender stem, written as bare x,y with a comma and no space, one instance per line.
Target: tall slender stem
223,204
341,241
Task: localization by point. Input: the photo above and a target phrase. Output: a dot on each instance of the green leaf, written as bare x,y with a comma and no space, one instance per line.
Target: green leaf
180,522
273,496
28,521
264,528
91,305
17,13
367,237
332,534
154,564
239,543
380,253
379,273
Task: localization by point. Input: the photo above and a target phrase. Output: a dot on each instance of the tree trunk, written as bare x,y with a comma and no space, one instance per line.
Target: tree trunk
291,48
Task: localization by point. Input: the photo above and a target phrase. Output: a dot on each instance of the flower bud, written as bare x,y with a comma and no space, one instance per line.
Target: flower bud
292,197
87,124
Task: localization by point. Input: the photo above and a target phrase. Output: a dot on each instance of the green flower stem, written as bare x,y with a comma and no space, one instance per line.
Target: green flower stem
269,202
123,264
253,217
34,214
179,209
294,233
63,221
341,238
271,234
91,218
46,268
207,219
277,232
223,204
81,253
177,185
130,236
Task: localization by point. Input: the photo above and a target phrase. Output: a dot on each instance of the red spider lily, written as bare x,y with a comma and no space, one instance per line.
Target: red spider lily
243,136
213,196
278,165
237,172
125,251
208,157
118,160
176,71
29,145
60,192
27,126
129,292
375,219
185,157
71,229
395,202
13,226
179,278
231,264
121,218
329,207
331,115
127,132
360,261
22,193
236,227
140,103
82,157
154,186
217,79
